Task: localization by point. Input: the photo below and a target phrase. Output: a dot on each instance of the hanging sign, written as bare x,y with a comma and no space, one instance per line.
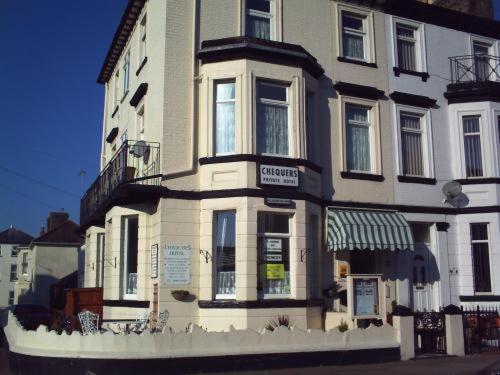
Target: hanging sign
177,264
154,261
274,271
278,175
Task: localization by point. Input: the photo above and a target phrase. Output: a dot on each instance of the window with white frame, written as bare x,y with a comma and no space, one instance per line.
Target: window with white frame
273,248
11,297
116,88
482,69
130,252
480,258
99,266
14,252
412,154
24,264
472,146
407,46
354,36
142,40
272,119
13,272
140,123
225,254
260,19
126,72
225,118
358,138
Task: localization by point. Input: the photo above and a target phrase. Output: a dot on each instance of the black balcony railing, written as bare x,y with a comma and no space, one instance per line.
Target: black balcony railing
135,162
474,68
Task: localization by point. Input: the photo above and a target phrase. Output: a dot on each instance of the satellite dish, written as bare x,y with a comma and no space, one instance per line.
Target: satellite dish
139,149
452,189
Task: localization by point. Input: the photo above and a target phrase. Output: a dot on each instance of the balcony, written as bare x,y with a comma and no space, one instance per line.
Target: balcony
474,78
135,163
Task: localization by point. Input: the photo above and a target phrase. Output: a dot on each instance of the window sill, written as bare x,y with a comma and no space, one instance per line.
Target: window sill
126,303
479,180
417,180
123,97
259,304
362,176
399,71
357,62
115,111
141,66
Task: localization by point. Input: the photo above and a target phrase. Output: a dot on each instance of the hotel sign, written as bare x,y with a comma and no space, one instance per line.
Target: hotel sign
278,175
177,264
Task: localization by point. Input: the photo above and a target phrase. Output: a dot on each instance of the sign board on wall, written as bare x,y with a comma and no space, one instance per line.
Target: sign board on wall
274,271
154,261
177,264
278,175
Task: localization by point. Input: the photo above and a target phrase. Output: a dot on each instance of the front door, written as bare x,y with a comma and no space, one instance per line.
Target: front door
422,288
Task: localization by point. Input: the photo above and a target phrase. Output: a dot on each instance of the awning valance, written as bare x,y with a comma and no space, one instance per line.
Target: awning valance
350,229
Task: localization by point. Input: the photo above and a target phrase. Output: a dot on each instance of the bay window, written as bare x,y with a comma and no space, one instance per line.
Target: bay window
406,41
130,252
260,19
225,254
480,258
225,118
272,119
472,146
411,144
353,36
358,154
273,248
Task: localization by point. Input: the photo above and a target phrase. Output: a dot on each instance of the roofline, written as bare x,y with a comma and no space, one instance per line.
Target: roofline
120,39
58,244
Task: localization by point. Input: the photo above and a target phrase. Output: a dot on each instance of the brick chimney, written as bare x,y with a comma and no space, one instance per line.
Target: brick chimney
56,219
481,8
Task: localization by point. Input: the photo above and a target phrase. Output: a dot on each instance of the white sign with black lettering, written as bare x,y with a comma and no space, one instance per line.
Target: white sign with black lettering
274,257
177,264
273,245
280,176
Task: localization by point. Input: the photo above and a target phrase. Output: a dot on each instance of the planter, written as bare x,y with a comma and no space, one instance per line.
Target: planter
130,173
180,295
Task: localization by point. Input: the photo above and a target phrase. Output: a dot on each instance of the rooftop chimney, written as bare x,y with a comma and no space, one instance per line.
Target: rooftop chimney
56,219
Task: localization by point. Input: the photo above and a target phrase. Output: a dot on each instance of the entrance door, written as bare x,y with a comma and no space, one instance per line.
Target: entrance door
422,289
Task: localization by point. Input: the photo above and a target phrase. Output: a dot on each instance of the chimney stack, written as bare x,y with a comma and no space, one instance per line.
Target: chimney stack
56,219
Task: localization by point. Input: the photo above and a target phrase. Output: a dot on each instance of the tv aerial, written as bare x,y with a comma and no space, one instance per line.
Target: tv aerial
453,192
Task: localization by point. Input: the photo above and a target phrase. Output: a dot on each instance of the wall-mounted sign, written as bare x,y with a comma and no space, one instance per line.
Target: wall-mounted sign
154,261
274,258
274,271
365,297
273,245
278,201
279,176
177,262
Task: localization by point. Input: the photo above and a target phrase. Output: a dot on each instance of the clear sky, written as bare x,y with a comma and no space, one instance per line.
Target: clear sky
51,106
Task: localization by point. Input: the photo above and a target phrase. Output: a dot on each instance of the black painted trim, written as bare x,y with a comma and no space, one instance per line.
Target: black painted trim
259,304
139,94
357,62
287,162
423,75
359,91
112,135
138,71
480,298
412,99
417,180
125,303
243,47
479,181
470,92
362,176
115,111
442,226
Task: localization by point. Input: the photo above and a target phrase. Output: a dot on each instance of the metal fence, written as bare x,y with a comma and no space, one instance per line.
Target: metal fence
474,68
481,329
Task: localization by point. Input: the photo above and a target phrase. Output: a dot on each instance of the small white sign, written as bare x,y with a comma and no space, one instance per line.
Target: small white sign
280,176
273,245
274,258
177,264
154,261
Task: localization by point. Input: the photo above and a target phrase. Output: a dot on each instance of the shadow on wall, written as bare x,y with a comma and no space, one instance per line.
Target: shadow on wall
326,92
39,291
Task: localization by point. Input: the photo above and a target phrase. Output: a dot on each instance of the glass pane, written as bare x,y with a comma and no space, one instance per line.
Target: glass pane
225,238
273,223
352,22
365,297
406,55
132,247
405,32
259,27
481,260
272,129
358,148
352,46
274,92
410,122
260,5
225,120
357,113
471,124
479,232
274,265
411,149
472,147
225,91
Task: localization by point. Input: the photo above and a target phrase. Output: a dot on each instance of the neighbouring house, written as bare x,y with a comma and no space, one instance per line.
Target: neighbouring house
290,159
12,240
49,258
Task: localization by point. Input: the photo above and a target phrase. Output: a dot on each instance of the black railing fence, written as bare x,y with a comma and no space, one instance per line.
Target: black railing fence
481,329
134,162
474,68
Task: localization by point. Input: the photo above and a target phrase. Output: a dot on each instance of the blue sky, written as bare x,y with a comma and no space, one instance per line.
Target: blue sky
51,106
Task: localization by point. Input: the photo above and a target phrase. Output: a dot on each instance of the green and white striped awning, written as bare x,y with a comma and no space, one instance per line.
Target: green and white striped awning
349,230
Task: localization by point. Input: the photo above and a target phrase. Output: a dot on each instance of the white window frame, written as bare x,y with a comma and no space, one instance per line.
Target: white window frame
420,44
13,271
128,296
287,104
354,32
288,236
24,263
368,27
126,73
140,121
484,164
426,131
214,109
142,39
116,90
274,16
374,137
490,261
215,254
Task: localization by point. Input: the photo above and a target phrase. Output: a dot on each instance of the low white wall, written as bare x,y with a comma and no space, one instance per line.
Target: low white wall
195,343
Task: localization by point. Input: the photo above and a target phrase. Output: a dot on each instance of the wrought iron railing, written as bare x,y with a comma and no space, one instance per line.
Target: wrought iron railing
134,162
474,68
